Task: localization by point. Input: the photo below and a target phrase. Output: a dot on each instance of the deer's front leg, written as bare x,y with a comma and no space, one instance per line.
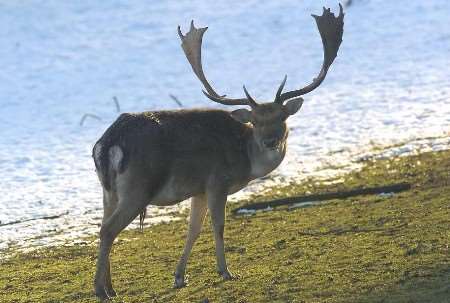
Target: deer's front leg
216,205
198,212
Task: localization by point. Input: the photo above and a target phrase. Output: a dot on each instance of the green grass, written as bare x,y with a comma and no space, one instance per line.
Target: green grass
361,249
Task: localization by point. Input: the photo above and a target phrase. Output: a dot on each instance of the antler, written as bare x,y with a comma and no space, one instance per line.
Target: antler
331,29
192,47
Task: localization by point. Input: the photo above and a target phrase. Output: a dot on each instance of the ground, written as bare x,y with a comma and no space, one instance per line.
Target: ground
374,248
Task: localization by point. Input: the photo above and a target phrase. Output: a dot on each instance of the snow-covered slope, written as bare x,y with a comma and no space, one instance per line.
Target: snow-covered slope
60,60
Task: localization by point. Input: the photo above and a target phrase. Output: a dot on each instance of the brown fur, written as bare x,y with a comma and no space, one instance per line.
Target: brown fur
164,135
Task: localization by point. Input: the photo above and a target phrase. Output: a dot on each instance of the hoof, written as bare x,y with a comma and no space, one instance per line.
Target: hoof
179,282
111,292
227,275
102,295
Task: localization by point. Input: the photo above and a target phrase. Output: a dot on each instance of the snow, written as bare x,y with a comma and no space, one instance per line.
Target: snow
386,195
60,60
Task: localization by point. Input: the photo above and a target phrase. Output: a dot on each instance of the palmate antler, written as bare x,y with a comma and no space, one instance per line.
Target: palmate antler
192,47
330,28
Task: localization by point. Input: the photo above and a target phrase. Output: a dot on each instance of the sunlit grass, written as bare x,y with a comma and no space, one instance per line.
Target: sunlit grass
361,249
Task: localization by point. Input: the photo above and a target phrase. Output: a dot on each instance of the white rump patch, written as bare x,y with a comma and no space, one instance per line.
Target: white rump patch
115,157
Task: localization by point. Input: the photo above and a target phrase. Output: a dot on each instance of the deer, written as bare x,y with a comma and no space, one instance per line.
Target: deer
164,157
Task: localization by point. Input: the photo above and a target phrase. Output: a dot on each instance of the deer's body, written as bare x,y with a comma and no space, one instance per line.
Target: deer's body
175,155
164,157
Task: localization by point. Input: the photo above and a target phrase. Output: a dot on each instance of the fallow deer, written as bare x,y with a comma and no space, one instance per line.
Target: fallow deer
164,157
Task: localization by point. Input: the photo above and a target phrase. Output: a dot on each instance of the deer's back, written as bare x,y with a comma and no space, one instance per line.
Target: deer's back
185,148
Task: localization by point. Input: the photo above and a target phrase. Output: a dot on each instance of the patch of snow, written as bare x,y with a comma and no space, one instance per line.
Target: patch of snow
386,195
244,211
305,204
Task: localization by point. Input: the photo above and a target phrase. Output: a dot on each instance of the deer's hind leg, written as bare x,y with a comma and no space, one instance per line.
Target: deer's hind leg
197,215
110,201
128,207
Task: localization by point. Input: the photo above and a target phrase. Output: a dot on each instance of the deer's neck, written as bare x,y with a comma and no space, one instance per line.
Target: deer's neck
262,160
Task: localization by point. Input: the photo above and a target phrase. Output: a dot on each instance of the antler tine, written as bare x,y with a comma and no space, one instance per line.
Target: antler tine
331,29
280,90
251,101
192,47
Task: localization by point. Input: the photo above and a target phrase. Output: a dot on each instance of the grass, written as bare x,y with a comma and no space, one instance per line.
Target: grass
361,249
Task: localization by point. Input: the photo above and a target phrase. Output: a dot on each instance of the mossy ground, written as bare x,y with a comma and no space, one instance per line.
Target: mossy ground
361,249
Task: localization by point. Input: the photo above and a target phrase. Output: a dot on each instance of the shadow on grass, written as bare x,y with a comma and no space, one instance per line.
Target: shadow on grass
387,189
422,285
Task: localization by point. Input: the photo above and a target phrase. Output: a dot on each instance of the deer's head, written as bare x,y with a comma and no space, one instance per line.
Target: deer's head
268,119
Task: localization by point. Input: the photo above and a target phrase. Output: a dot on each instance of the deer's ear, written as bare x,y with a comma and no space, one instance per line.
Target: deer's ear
242,115
292,106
